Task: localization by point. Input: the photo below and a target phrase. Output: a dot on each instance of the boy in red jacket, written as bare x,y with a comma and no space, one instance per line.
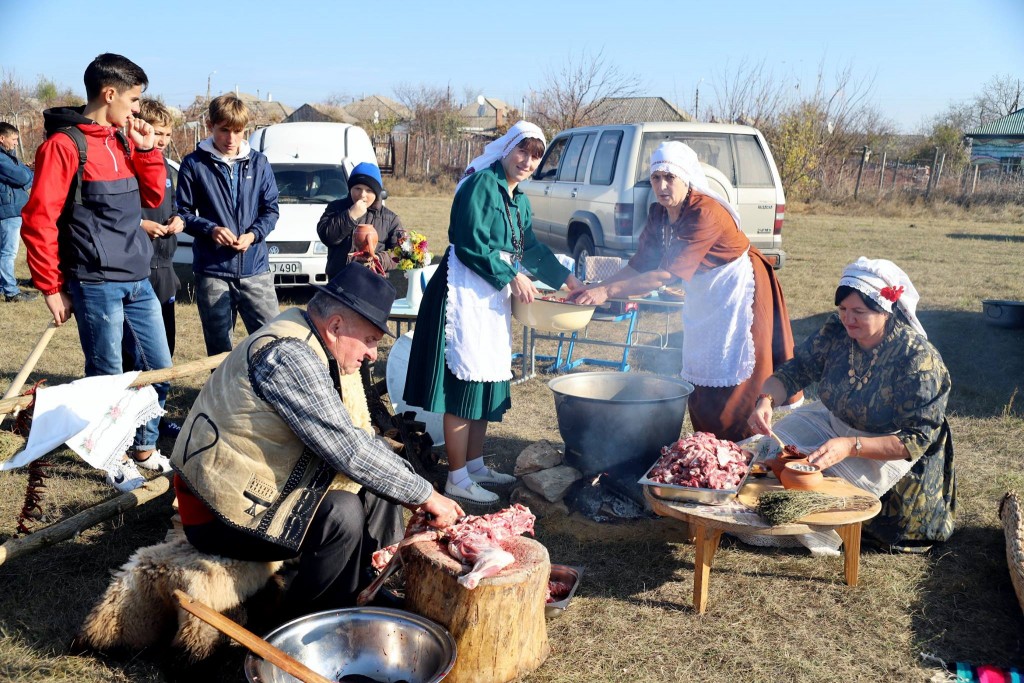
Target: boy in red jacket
81,228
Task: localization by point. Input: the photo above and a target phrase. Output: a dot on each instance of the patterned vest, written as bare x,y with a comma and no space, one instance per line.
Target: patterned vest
240,458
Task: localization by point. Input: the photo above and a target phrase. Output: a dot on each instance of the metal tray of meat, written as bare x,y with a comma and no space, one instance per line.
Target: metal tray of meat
695,494
571,575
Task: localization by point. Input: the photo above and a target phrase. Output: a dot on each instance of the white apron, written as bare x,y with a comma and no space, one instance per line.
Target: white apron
718,345
478,325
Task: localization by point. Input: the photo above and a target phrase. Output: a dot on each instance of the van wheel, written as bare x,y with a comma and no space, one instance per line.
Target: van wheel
583,248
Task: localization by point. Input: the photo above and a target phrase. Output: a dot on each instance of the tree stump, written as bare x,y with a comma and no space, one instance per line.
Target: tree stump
498,626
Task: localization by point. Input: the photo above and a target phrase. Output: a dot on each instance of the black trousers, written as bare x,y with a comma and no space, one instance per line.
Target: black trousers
335,553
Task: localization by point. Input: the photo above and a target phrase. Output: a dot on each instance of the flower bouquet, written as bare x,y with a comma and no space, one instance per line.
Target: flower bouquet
412,252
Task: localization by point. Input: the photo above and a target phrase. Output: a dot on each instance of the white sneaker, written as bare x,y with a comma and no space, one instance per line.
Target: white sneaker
156,462
125,476
489,476
473,493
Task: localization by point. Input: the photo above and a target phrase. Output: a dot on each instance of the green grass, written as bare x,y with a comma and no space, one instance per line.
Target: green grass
773,615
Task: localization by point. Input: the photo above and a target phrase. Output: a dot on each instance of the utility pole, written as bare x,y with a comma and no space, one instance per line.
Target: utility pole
696,101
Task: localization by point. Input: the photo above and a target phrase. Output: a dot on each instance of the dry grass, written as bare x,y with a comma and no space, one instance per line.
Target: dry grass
773,615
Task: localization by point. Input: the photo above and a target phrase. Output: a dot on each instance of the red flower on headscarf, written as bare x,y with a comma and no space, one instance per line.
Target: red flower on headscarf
892,293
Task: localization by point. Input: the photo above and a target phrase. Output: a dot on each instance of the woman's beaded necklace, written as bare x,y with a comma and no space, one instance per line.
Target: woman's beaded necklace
859,381
517,241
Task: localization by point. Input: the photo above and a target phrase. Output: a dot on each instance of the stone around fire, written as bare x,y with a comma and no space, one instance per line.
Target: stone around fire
552,483
538,456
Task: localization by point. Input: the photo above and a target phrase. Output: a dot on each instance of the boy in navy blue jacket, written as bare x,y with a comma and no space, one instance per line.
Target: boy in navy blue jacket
227,197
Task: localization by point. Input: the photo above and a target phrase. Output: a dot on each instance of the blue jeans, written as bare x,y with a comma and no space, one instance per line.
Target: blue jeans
221,300
10,233
106,313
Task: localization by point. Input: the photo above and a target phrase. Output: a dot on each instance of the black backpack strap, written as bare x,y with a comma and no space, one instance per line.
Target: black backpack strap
78,137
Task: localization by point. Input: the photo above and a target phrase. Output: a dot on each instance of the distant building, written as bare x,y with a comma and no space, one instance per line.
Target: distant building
487,117
376,109
1000,143
320,112
637,110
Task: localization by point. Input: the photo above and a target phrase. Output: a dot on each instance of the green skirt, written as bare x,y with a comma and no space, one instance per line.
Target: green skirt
429,384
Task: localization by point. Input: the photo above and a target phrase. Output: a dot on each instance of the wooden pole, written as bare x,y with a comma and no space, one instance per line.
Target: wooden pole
860,171
9,405
974,185
931,175
249,640
88,518
895,173
881,171
19,380
405,162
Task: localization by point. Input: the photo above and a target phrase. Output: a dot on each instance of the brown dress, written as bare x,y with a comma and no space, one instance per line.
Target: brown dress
705,237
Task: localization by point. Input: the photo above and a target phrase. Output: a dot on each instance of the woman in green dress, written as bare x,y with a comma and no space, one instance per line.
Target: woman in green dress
880,422
460,363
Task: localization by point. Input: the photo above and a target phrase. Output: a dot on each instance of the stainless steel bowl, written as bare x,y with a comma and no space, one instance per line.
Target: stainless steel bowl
612,419
381,644
571,576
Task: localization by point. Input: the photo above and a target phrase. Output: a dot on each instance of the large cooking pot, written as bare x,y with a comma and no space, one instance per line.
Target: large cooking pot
615,420
1004,313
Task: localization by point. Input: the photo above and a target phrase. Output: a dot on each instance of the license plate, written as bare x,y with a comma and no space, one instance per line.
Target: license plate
286,267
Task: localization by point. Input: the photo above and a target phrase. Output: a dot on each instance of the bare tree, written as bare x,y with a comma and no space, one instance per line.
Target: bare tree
571,95
750,93
434,111
813,135
1000,96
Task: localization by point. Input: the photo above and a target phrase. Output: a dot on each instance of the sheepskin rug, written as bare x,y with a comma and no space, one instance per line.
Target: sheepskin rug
138,609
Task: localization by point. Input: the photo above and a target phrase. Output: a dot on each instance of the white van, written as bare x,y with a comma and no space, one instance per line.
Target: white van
591,192
311,163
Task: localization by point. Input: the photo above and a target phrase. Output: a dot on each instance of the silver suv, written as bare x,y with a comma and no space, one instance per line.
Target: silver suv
591,193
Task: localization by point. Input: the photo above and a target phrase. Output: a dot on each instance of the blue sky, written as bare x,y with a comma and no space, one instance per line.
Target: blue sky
920,55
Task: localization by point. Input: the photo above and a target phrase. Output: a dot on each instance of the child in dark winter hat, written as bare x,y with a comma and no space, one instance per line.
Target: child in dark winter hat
367,174
363,205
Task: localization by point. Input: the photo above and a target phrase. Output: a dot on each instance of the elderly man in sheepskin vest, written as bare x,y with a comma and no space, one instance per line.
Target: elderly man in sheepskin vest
272,463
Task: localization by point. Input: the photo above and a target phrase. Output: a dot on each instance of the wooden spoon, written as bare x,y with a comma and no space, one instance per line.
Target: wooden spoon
248,639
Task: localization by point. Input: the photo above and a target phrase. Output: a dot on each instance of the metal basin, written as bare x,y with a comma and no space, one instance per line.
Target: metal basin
376,643
616,420
1004,313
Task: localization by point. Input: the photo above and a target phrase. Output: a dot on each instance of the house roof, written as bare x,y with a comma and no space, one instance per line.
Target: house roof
263,111
386,107
494,109
321,112
1011,125
637,110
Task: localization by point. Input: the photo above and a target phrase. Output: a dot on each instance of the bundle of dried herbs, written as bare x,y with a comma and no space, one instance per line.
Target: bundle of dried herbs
783,507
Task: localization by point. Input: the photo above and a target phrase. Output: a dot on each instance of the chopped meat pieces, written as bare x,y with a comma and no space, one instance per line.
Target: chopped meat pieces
558,590
475,541
701,461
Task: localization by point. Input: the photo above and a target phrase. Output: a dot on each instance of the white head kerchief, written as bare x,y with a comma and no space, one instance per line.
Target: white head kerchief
885,283
500,148
678,159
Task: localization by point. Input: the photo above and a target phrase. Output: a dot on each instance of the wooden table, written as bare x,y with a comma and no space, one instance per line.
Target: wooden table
708,522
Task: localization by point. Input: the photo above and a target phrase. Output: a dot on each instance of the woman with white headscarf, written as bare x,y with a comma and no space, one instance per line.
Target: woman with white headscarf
460,363
736,328
880,422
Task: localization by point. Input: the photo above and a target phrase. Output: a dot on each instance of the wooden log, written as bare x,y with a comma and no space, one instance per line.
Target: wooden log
498,626
145,378
90,517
